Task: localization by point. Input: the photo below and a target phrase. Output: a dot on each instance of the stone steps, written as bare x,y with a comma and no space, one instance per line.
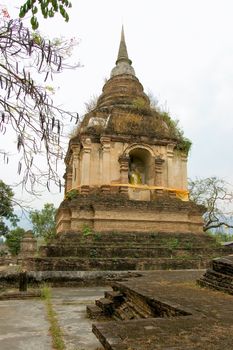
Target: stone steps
116,306
223,265
114,264
137,237
160,240
222,287
106,305
138,311
147,243
124,252
125,312
94,311
115,296
219,276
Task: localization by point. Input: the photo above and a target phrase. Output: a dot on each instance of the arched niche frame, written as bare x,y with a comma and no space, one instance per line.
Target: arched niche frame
141,159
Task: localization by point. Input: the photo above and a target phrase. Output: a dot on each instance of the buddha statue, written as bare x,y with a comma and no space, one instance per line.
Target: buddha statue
135,177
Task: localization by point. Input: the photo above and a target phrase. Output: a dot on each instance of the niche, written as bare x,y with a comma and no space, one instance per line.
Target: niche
140,169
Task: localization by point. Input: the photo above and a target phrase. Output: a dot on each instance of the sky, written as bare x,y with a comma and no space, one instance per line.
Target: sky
182,53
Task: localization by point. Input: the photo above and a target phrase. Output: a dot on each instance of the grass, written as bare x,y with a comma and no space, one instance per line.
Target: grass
55,330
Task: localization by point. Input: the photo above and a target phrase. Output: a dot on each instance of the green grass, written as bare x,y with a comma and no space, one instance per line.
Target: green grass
55,330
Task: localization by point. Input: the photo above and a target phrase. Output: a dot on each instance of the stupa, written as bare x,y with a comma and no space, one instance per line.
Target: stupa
126,167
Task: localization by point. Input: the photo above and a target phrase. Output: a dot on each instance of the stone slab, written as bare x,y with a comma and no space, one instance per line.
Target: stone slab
23,325
70,306
209,327
12,294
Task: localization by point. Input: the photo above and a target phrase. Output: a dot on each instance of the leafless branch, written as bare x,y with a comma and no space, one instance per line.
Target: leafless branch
217,196
26,106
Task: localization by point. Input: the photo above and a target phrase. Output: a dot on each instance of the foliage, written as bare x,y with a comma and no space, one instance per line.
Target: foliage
48,8
188,245
173,243
86,231
26,106
91,104
43,222
221,236
183,143
6,208
3,252
216,195
72,194
140,104
97,236
13,239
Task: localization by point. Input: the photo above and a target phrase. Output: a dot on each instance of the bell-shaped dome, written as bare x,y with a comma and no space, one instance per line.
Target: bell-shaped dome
123,88
123,108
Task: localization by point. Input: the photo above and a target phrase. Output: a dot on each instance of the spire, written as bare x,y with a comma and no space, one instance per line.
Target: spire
122,53
123,63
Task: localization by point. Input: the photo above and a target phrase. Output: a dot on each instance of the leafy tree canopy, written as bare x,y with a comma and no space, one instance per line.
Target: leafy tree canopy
13,239
43,221
6,208
48,8
217,196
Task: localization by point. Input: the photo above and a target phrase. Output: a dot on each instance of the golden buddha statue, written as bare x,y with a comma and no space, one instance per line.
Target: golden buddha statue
135,177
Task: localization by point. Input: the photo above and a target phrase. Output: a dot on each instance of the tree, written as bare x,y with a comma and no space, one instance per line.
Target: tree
26,106
43,222
6,208
13,240
48,8
216,195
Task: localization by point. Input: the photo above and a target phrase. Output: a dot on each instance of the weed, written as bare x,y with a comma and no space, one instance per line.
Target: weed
46,292
97,236
93,253
86,231
113,233
173,243
154,235
188,245
55,330
72,194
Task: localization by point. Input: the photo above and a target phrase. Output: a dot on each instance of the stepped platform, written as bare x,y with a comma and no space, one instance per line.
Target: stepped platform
220,275
115,251
166,310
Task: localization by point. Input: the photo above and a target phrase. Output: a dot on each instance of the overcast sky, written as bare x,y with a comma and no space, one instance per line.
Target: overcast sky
182,52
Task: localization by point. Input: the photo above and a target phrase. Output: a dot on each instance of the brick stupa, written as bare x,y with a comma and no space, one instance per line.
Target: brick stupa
126,203
126,168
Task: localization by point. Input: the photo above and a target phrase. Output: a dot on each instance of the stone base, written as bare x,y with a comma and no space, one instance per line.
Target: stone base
95,251
109,232
103,212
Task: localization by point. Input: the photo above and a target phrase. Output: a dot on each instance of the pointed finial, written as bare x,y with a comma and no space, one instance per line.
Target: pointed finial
123,63
122,53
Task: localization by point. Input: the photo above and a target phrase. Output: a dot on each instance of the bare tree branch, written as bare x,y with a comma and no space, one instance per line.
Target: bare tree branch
217,196
26,106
